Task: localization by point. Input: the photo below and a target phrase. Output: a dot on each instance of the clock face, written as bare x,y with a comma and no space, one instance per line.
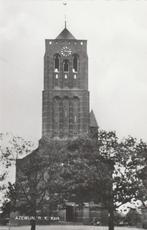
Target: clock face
66,51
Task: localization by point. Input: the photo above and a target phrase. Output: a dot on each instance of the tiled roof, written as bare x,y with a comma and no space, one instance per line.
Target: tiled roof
65,34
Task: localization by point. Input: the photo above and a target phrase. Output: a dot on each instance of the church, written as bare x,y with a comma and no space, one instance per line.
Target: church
65,108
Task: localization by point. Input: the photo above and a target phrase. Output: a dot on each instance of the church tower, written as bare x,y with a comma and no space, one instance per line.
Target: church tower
65,110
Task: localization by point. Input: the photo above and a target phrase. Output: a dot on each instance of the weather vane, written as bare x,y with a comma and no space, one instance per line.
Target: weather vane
65,17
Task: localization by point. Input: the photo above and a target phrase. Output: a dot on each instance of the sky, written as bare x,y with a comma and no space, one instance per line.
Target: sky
116,31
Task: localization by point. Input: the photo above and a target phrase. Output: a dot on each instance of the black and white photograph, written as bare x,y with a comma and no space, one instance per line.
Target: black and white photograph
73,114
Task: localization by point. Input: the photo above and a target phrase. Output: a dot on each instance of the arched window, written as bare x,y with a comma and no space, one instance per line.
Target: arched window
75,63
65,81
76,107
66,65
65,116
56,80
74,81
56,115
57,62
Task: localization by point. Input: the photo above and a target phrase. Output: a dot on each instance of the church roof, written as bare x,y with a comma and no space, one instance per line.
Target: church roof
65,34
93,122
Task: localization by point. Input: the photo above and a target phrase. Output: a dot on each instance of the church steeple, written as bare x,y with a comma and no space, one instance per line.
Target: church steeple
65,22
65,34
65,112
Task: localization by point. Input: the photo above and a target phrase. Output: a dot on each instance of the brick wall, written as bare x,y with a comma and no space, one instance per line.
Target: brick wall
60,86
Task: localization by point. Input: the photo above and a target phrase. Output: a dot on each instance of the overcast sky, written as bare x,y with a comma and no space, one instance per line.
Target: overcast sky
116,31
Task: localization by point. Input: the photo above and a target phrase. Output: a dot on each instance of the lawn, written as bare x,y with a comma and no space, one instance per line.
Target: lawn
66,227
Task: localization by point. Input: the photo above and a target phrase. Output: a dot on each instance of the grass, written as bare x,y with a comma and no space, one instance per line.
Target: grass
66,227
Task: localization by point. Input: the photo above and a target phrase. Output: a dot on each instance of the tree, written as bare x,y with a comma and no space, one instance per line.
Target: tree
128,183
108,167
37,181
107,148
126,159
9,203
82,173
11,148
60,171
30,184
83,170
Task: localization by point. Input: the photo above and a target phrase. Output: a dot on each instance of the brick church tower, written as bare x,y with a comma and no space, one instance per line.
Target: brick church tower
65,112
65,115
